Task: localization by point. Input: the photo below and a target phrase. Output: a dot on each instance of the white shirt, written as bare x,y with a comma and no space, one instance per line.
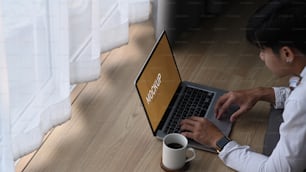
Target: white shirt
289,154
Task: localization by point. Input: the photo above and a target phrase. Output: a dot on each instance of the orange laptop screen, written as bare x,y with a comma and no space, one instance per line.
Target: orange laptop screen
158,81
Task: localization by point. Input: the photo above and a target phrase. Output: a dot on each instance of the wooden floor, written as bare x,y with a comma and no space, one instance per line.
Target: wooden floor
108,130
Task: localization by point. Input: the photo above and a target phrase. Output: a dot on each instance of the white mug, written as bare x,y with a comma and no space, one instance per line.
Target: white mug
174,155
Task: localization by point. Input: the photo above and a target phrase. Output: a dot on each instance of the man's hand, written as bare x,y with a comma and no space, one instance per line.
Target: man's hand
245,99
201,130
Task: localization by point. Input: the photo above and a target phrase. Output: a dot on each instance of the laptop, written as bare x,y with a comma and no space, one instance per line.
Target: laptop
167,99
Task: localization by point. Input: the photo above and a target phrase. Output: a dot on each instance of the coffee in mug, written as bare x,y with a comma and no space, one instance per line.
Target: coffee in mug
175,147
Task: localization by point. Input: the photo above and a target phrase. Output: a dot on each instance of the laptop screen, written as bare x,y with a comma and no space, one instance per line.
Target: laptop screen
158,81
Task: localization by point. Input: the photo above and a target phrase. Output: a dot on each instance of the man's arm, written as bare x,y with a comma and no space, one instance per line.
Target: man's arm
288,155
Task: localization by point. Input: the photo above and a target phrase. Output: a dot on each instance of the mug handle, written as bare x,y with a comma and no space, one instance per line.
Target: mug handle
193,154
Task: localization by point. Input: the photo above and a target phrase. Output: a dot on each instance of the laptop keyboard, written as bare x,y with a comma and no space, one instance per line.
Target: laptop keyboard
194,102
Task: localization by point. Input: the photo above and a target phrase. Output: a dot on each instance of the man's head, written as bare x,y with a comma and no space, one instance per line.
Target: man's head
279,23
278,29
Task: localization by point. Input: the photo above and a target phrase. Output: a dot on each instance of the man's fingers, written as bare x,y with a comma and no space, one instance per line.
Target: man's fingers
187,127
223,108
219,103
196,118
188,135
191,124
236,115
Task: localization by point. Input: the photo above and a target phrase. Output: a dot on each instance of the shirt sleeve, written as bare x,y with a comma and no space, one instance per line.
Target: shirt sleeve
281,95
289,153
241,158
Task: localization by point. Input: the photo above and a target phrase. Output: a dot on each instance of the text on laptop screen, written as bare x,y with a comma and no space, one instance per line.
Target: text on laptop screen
158,81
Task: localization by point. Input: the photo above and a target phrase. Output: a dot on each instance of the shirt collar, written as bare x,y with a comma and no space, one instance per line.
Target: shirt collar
294,81
303,73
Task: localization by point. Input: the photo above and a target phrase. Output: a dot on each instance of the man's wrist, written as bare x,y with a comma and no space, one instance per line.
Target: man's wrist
265,94
220,144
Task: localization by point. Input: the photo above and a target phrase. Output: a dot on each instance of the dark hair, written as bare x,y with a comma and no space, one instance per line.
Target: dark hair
279,23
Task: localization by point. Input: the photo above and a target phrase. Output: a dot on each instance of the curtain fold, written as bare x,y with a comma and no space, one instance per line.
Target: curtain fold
139,10
113,24
38,71
6,156
115,17
46,46
84,40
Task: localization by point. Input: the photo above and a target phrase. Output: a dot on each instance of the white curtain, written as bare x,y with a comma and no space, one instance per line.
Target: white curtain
46,46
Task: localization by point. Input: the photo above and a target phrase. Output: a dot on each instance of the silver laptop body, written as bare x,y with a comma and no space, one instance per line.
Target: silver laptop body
161,91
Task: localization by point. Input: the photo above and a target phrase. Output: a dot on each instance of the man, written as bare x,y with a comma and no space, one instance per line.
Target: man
278,29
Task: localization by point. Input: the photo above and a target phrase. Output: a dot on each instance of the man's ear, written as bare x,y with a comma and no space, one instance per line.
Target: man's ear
287,54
